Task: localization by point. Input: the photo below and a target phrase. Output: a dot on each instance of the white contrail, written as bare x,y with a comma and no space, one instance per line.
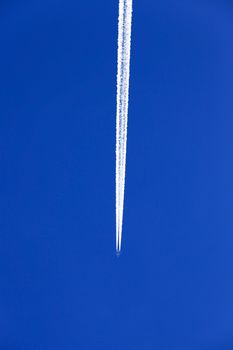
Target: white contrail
123,67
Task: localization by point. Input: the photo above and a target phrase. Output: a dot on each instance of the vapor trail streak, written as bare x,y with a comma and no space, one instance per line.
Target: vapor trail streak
123,69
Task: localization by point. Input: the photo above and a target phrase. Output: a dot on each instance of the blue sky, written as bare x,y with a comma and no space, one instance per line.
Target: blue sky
62,286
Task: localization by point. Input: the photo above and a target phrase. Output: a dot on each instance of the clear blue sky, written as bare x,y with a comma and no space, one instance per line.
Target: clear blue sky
61,285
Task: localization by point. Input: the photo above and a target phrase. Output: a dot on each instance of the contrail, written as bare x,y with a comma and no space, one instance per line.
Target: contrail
123,68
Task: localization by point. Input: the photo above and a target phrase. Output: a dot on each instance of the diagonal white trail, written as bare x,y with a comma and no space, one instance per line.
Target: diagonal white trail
123,69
